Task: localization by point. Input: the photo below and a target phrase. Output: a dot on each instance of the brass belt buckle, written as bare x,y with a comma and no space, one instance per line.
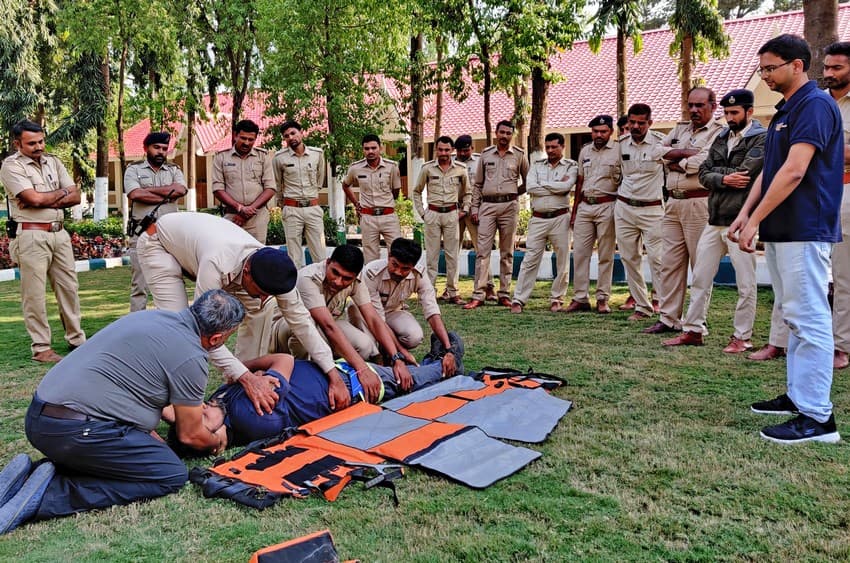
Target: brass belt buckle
635,202
590,199
678,194
377,211
55,226
304,203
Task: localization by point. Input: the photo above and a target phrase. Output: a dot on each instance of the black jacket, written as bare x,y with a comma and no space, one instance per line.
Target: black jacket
724,202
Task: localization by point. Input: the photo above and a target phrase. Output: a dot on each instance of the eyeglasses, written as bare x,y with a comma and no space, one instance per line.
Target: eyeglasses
769,69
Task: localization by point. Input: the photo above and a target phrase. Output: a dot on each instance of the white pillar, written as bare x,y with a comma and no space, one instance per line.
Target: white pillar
101,198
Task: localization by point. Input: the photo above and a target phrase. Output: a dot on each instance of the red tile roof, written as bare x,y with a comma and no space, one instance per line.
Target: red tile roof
590,80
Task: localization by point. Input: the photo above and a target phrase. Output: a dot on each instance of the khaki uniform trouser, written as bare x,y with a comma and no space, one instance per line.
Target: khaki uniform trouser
442,226
138,287
257,226
284,341
492,217
639,227
164,278
372,228
594,224
557,231
713,246
404,325
683,224
841,280
309,223
43,257
466,224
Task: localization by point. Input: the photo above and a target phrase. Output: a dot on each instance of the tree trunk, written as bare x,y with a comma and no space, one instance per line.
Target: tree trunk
820,28
539,110
622,85
119,114
488,79
191,162
438,103
687,68
417,125
101,181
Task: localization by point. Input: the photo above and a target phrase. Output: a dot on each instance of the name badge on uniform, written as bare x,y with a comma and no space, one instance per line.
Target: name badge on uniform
230,164
290,165
362,176
627,157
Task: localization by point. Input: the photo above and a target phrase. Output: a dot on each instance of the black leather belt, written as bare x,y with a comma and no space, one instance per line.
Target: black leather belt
61,412
639,202
443,208
550,214
499,198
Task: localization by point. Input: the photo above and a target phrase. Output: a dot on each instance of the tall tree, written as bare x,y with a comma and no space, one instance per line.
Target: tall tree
731,10
698,32
231,32
820,28
626,18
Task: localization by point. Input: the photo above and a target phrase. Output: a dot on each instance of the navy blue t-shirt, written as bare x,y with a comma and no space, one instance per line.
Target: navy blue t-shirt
811,212
303,398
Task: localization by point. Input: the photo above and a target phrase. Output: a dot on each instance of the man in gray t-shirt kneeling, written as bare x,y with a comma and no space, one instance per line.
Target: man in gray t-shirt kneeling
94,413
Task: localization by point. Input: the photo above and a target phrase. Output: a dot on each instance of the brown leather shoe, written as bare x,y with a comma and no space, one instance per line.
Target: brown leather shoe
638,316
504,301
555,307
455,300
768,352
736,346
444,297
576,307
841,360
655,307
629,305
687,338
602,307
660,328
473,304
490,294
516,308
47,356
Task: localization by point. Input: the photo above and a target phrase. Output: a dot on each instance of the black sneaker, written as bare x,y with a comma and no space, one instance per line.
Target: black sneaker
780,405
802,429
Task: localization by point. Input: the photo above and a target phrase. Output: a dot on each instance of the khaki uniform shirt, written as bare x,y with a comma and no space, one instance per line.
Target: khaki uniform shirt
498,175
443,187
642,167
550,186
389,295
683,136
599,169
844,108
213,252
244,179
376,184
142,175
471,169
314,294
300,177
20,173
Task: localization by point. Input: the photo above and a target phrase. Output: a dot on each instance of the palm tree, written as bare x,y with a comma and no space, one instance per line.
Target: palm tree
626,17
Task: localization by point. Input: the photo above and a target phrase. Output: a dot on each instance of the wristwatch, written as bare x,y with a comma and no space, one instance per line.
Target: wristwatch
397,356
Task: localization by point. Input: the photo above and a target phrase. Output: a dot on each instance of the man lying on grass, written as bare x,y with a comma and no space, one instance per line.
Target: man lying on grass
303,392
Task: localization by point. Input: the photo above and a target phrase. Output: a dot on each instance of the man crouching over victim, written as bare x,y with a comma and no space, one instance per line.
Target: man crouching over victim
303,392
94,413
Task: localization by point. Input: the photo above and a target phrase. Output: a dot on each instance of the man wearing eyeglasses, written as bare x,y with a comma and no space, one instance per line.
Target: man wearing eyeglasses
794,206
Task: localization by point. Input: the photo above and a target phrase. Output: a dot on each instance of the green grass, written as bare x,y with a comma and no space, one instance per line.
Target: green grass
660,459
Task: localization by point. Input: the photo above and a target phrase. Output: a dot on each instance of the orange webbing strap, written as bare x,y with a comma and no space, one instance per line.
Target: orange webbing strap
418,441
434,408
296,466
317,547
340,417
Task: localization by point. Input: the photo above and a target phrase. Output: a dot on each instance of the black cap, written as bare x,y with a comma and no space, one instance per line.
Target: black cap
157,138
602,120
739,97
463,142
273,271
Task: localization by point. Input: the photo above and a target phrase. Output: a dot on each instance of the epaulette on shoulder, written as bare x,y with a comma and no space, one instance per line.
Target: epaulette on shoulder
541,160
429,163
358,162
491,148
283,150
223,151
316,149
519,149
261,150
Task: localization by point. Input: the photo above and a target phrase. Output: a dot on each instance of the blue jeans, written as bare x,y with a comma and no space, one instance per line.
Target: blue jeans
424,374
100,463
799,273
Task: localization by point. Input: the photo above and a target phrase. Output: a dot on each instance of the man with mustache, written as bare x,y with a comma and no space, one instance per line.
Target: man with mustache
150,184
39,188
686,212
300,174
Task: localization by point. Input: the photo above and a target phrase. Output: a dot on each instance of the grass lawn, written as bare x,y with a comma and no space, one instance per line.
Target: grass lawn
660,459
